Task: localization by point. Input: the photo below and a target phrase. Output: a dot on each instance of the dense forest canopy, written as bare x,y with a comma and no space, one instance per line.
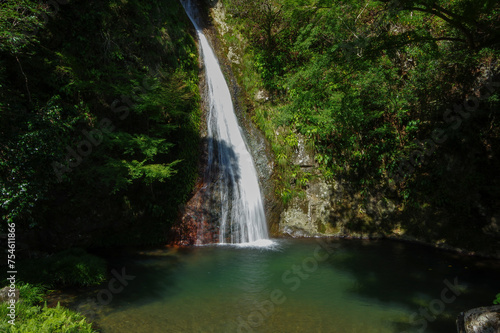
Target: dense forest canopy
398,97
98,102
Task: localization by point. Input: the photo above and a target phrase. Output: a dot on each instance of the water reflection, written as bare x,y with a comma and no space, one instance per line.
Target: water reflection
361,287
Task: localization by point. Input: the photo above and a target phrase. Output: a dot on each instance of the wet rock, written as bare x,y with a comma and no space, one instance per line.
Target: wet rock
295,232
480,320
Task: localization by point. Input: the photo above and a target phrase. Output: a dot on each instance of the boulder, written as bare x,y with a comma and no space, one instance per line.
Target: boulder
480,320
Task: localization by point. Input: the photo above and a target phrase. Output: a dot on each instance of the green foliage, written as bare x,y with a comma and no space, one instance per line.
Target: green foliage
363,81
356,90
31,317
125,72
69,268
36,140
497,300
44,319
119,174
32,294
19,23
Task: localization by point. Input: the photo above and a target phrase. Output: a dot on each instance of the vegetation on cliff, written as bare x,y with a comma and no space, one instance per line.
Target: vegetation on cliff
395,97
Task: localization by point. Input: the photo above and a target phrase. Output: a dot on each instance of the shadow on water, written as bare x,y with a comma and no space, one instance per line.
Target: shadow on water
374,285
150,276
201,10
413,277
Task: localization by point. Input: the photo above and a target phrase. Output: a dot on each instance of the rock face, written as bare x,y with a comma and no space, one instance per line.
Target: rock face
304,156
198,222
480,320
331,208
308,216
259,147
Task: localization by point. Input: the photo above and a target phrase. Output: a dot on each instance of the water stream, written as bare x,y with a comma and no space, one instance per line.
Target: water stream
231,171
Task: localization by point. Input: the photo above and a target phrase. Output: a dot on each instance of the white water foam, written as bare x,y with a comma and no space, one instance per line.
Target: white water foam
242,218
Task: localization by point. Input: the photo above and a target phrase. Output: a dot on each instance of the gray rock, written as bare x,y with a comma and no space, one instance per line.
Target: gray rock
4,294
304,156
480,320
261,96
309,215
233,56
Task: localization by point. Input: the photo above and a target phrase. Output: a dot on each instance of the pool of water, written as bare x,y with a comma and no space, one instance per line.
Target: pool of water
298,286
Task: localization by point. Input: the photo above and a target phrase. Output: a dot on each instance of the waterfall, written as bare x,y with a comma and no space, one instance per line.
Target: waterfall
231,172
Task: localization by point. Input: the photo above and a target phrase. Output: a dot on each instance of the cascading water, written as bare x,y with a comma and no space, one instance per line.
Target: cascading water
231,175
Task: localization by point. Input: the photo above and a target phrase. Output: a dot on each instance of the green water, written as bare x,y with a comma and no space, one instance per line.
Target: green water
298,286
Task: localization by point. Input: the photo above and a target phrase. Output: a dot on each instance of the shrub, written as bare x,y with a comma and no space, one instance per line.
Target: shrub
44,320
31,317
69,268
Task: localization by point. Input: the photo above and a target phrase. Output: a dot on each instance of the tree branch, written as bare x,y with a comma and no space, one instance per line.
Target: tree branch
25,78
458,25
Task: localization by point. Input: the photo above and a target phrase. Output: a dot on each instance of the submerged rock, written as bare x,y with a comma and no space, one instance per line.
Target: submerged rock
480,320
